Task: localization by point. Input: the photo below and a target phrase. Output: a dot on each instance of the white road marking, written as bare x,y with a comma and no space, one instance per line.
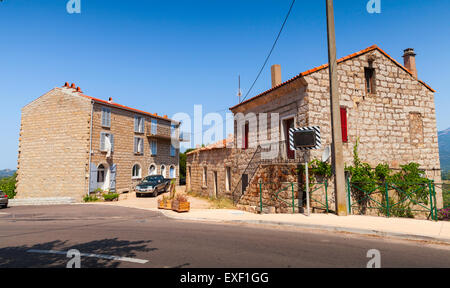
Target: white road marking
108,257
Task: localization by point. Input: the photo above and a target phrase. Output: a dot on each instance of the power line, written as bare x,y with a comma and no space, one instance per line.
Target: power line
263,66
271,50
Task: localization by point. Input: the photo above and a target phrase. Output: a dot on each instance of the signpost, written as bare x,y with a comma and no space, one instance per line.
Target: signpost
306,138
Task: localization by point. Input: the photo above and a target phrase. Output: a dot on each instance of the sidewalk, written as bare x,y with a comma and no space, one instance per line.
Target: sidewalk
391,227
369,225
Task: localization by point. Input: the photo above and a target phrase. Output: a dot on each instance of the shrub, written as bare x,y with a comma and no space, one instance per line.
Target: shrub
90,198
8,185
111,196
181,198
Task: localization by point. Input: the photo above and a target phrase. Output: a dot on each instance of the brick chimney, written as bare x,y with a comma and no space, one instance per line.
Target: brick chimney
276,75
410,61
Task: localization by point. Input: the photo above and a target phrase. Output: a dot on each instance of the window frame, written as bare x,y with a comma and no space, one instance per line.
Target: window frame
138,151
154,126
102,142
139,176
369,78
153,153
139,124
205,177
106,117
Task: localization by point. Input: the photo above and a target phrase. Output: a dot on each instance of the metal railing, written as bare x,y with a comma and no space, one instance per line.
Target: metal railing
398,199
285,195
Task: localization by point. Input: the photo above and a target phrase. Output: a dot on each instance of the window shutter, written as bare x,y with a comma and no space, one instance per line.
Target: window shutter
135,124
103,118
344,124
141,146
108,118
111,138
135,145
142,124
102,141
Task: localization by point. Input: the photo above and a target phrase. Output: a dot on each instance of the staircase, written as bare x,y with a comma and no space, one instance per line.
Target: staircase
247,175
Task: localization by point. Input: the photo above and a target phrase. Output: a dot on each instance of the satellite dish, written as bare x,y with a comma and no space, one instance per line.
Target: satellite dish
326,154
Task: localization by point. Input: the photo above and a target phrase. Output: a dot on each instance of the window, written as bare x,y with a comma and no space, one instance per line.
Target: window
100,173
172,172
205,178
228,179
369,73
106,117
344,125
154,126
138,145
154,147
152,170
106,142
163,170
245,140
173,129
139,124
136,171
172,151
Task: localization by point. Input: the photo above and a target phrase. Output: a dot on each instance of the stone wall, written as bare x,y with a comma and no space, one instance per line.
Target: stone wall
396,125
54,146
122,127
216,161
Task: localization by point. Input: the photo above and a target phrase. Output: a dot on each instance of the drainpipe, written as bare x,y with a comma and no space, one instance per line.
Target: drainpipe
90,149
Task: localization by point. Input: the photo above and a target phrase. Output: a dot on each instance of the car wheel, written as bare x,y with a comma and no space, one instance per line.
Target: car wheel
138,194
155,193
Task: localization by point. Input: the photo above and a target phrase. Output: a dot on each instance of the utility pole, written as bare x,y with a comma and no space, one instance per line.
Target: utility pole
337,153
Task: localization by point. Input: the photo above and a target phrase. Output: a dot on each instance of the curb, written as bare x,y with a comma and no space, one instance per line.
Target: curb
359,231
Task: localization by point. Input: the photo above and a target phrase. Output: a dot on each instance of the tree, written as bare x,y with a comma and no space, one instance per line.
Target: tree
183,163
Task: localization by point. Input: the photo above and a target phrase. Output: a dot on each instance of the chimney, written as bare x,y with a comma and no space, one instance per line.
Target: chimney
410,61
276,75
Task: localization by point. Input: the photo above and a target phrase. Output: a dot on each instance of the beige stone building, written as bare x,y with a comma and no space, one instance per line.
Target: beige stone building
383,104
72,144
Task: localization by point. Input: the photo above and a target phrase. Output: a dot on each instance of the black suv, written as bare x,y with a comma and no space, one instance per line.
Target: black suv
152,185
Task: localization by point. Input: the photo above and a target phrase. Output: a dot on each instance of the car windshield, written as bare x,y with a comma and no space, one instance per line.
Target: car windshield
150,179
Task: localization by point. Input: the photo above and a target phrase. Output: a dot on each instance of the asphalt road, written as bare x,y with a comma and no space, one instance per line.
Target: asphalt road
146,236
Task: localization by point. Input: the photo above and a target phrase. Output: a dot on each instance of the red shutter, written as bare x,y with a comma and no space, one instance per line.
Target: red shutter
344,124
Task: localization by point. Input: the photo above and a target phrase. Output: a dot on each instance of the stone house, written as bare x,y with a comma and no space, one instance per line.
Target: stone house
383,104
72,144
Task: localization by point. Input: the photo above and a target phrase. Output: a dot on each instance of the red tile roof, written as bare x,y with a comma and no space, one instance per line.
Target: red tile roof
110,103
308,72
218,145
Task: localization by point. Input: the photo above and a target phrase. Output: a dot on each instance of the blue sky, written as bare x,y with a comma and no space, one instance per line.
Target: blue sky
166,56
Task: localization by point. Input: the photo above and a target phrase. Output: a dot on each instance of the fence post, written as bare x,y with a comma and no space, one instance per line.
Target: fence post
326,194
435,201
349,197
260,198
430,190
387,199
293,198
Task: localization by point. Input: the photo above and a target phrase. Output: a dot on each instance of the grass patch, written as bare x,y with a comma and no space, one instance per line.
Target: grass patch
216,203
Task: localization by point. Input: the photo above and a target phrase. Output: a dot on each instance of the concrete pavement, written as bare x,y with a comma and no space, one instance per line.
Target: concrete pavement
392,227
113,236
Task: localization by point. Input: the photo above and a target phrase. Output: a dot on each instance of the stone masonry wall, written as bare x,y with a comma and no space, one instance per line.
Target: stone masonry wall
395,125
122,127
53,146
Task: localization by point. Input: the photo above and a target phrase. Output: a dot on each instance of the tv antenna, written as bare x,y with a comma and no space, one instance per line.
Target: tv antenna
239,89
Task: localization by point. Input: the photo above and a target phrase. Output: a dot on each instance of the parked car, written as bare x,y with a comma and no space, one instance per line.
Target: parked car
3,199
152,185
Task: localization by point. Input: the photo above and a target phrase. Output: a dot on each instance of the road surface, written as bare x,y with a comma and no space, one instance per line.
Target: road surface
40,236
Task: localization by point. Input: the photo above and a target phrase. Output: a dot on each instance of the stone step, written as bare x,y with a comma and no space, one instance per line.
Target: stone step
41,201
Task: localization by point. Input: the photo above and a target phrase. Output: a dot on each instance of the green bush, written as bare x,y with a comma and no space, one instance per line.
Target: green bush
111,196
8,185
90,198
409,181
